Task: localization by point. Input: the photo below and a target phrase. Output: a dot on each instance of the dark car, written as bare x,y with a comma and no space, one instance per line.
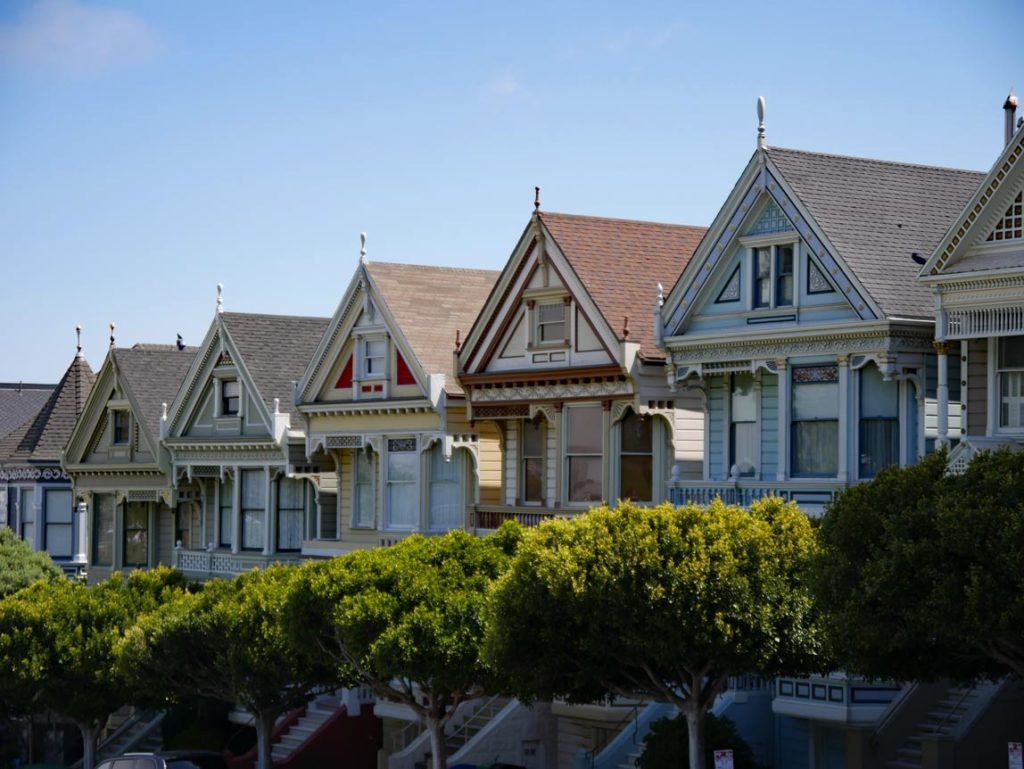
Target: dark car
178,759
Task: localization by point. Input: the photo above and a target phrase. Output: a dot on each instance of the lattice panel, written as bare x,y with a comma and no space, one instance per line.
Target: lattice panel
344,441
1011,226
772,219
142,496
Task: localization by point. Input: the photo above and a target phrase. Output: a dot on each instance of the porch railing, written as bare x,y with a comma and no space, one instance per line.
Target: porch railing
492,516
970,445
217,563
810,493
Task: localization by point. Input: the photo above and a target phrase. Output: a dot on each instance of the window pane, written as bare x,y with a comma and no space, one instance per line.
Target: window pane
1011,399
878,398
744,447
136,534
289,529
254,495
879,445
816,401
762,277
585,479
533,480
58,506
376,348
254,489
784,282
816,448
636,434
28,508
403,504
227,506
743,406
120,427
1011,352
445,485
103,529
585,430
364,501
637,472
533,439
402,466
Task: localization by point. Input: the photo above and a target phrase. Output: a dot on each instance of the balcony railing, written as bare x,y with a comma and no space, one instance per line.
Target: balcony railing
492,516
970,445
219,563
837,698
810,494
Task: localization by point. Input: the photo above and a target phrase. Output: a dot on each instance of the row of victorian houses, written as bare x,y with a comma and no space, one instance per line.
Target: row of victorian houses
840,315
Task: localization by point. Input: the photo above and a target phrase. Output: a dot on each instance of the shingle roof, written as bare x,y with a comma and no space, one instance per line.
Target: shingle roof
430,304
877,213
43,437
275,350
153,374
620,262
20,402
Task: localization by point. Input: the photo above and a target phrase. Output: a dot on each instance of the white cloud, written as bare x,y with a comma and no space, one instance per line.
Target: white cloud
69,37
504,85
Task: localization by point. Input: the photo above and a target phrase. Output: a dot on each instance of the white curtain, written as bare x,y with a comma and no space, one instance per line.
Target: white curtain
364,504
254,508
403,497
445,487
291,510
58,523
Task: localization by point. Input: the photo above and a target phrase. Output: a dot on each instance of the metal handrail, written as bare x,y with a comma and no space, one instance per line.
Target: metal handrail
615,731
959,702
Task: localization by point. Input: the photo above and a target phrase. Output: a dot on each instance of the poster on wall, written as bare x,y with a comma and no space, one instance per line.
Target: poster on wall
723,759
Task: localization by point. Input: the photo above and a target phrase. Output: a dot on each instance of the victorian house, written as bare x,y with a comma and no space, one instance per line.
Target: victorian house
386,415
120,470
563,365
976,275
237,445
35,492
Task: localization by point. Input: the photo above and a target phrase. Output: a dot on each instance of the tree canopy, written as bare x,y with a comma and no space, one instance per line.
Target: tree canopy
921,572
666,602
20,565
408,620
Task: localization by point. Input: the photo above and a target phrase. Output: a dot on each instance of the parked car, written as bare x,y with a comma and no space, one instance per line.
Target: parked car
176,759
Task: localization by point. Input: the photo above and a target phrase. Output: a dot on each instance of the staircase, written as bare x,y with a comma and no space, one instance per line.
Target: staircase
459,736
139,733
317,713
941,719
412,745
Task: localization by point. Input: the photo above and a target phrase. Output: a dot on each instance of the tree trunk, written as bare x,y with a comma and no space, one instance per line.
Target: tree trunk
90,734
264,733
437,748
695,730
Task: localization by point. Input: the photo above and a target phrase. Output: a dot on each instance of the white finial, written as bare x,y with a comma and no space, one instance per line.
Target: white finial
661,295
760,121
362,248
78,335
277,405
220,297
111,334
163,415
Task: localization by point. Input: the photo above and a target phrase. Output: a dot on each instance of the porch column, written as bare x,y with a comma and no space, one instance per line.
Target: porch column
236,511
843,363
606,449
782,364
269,513
80,530
942,391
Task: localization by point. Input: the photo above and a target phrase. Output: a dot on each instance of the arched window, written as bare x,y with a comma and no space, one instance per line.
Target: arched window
636,457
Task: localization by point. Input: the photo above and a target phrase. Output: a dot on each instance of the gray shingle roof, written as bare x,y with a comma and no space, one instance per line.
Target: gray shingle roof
43,437
20,402
275,350
429,304
877,213
153,374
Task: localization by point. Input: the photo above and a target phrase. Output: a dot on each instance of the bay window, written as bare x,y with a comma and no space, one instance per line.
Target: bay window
445,490
136,534
227,507
1010,375
291,513
532,462
815,422
879,432
363,497
254,509
103,529
402,496
744,436
636,460
584,450
58,523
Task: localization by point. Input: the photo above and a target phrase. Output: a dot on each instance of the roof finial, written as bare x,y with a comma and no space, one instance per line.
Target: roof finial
362,248
661,295
536,198
78,344
220,298
458,340
180,342
760,122
625,327
111,335
1010,111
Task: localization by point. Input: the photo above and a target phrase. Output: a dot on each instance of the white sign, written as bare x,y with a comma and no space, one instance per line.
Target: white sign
723,759
1016,755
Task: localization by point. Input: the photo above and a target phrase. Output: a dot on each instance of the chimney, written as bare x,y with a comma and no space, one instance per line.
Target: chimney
1010,113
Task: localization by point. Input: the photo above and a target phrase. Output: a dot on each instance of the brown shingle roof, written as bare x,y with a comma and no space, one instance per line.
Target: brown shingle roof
620,262
877,213
43,437
153,374
430,304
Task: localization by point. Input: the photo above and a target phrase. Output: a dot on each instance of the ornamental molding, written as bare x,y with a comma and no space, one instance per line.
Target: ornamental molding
551,392
975,283
743,352
225,457
322,360
33,474
546,411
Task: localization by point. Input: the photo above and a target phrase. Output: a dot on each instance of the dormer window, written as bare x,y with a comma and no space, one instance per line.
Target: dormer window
551,322
121,431
230,397
773,276
374,356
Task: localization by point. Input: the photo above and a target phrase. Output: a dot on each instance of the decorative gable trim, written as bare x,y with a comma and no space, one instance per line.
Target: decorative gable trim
1011,226
316,371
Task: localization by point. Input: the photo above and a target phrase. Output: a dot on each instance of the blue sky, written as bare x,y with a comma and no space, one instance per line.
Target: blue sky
149,150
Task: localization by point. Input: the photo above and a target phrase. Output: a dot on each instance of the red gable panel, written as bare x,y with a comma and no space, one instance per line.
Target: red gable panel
345,380
403,374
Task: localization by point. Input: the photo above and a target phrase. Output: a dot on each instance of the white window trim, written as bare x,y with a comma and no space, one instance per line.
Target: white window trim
388,524
456,456
902,393
218,396
566,329
658,451
363,341
353,521
521,458
727,435
994,405
565,456
843,408
770,240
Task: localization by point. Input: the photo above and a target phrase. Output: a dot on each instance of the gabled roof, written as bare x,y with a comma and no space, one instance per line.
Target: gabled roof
19,402
275,350
620,263
877,213
153,373
429,304
43,437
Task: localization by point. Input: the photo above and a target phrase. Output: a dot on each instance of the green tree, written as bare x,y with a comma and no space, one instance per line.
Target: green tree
669,739
20,565
920,572
58,645
408,620
666,602
229,641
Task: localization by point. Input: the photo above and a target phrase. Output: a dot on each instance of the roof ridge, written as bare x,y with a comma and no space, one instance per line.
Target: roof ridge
594,217
273,315
372,264
26,386
899,163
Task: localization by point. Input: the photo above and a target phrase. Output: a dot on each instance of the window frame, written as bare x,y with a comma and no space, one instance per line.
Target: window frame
653,453
996,398
773,243
68,525
538,324
94,534
755,394
115,429
302,510
371,481
542,425
568,456
364,357
793,422
390,524
126,531
224,398
243,473
860,419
